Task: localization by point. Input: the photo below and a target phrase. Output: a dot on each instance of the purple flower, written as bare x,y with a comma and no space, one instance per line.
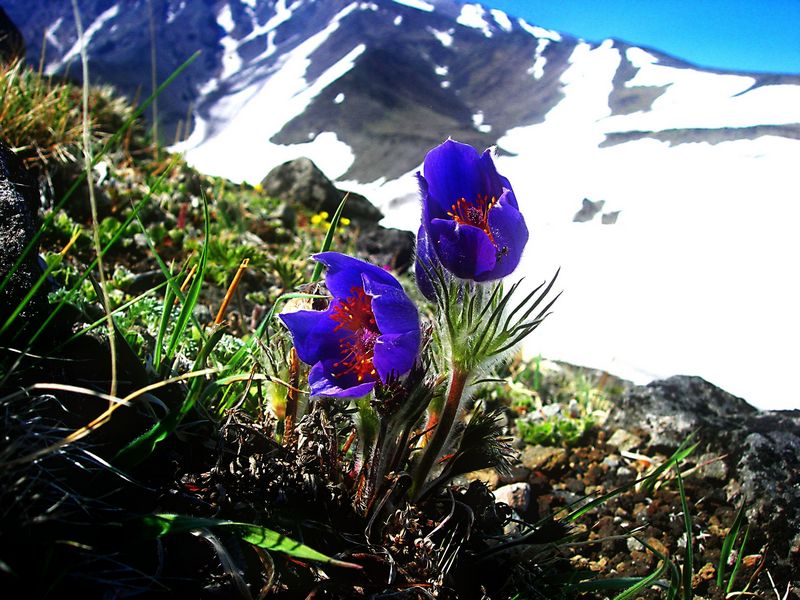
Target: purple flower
369,331
471,222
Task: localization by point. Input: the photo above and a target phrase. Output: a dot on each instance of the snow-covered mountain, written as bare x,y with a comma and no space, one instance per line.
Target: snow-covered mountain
696,168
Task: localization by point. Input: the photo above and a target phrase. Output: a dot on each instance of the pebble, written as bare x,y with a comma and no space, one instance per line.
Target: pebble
515,495
544,458
624,440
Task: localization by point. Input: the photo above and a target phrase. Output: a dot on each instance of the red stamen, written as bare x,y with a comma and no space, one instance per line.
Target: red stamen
474,212
354,314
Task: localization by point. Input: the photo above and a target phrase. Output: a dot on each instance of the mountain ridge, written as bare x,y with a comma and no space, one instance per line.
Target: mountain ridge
452,69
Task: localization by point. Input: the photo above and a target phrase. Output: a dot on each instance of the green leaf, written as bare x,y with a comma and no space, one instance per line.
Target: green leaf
187,310
326,243
140,448
727,545
165,524
688,562
738,564
682,452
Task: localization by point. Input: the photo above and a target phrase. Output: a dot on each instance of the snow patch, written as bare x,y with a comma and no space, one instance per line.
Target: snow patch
173,14
697,99
445,37
258,111
88,33
50,34
418,4
539,32
441,71
339,98
231,61
472,15
398,20
638,57
477,122
537,69
501,19
282,14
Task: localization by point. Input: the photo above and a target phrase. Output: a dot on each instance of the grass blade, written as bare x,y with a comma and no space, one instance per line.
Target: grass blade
682,452
738,564
187,310
140,448
163,524
727,545
688,563
326,243
112,142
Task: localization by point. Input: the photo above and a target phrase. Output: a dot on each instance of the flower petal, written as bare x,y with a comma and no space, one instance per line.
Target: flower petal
394,312
452,170
396,353
511,197
324,381
510,236
426,261
344,273
313,334
464,250
492,182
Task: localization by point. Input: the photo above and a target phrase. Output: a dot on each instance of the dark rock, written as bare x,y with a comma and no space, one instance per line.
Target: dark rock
19,200
609,218
12,45
516,495
760,449
285,214
588,210
300,181
385,246
669,410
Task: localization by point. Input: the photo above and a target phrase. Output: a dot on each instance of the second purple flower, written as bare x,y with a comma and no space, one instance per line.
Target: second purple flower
369,332
471,222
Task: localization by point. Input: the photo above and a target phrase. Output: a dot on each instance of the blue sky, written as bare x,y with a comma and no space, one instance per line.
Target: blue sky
747,35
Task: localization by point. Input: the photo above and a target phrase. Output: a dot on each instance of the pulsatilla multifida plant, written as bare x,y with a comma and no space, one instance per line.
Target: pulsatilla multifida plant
407,379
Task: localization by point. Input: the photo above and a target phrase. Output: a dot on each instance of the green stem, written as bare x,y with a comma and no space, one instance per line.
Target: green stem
447,418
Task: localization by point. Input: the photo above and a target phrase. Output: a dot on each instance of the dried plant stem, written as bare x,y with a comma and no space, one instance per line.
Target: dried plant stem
291,400
226,300
88,164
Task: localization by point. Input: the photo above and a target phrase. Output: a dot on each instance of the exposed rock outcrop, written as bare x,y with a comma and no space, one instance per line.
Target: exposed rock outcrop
18,223
760,449
589,208
389,247
301,181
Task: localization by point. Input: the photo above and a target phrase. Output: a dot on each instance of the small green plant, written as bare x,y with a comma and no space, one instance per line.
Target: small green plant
553,405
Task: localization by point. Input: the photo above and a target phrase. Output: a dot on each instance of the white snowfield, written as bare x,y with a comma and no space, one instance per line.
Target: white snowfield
698,276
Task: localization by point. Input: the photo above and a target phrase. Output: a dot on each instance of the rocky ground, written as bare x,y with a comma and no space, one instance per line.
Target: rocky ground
743,457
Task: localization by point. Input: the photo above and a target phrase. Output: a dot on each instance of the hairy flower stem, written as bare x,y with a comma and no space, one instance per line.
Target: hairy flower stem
444,427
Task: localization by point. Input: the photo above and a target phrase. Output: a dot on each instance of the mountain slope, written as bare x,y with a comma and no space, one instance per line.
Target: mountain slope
388,78
694,166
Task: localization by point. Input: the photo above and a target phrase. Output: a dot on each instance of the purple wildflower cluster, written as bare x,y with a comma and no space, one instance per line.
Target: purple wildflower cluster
370,332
